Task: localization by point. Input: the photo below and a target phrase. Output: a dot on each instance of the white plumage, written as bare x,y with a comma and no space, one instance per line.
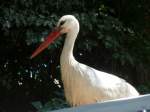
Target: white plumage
83,84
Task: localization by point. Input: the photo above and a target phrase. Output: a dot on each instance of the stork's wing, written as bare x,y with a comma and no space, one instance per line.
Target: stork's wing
98,77
105,83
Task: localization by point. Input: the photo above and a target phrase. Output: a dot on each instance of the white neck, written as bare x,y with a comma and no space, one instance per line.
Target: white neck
67,53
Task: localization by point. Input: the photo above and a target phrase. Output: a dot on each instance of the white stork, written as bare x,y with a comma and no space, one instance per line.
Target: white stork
83,84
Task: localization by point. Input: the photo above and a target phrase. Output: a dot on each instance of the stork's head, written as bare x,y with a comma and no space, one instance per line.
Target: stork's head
65,24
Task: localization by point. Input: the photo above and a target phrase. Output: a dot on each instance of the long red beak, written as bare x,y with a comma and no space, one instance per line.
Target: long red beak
49,39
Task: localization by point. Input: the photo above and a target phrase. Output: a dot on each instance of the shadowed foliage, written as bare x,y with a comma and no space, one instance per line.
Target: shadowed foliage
114,37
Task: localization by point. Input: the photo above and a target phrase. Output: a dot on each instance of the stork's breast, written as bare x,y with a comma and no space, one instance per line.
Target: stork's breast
78,89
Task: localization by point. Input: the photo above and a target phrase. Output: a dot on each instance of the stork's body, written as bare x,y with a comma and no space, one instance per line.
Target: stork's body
83,84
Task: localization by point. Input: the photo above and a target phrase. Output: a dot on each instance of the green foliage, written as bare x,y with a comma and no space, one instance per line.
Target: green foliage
144,88
54,104
114,36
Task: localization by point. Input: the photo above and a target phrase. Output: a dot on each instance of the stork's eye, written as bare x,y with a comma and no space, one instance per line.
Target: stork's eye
62,22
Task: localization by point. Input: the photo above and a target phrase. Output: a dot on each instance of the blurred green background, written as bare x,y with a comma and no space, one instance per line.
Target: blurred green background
114,37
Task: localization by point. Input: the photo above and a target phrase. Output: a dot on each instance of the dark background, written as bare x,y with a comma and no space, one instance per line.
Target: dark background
114,37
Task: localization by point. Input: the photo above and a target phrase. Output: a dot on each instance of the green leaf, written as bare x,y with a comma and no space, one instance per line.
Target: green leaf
37,105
